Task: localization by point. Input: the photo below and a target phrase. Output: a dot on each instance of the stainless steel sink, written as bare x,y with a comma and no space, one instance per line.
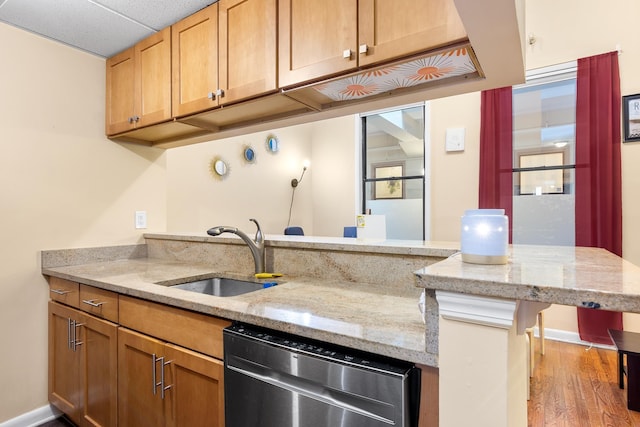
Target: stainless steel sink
221,287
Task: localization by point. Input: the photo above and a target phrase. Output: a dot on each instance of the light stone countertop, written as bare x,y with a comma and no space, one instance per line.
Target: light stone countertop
350,314
440,249
548,274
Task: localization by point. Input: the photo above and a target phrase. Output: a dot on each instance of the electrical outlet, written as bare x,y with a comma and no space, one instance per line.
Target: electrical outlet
141,219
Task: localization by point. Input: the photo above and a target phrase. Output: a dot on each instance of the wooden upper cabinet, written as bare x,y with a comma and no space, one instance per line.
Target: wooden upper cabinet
247,48
223,54
389,29
119,92
153,78
323,39
316,39
195,62
138,84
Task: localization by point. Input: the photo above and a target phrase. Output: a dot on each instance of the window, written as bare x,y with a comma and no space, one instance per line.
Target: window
393,159
544,116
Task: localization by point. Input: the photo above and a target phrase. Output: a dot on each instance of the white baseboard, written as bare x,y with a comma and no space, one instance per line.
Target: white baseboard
33,418
569,337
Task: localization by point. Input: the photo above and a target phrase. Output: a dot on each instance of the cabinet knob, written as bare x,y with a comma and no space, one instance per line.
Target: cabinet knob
346,54
211,96
363,49
136,119
220,93
130,120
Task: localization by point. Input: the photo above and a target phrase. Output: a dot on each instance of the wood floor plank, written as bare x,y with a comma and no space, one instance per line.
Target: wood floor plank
576,386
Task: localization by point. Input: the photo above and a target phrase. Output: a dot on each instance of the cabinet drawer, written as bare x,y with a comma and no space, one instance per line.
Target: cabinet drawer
195,331
64,291
99,302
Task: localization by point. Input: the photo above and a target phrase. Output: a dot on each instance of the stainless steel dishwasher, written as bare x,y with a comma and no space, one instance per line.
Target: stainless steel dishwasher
273,379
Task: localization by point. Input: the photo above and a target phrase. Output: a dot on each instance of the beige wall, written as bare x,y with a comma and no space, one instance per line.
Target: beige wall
63,184
454,175
324,201
197,200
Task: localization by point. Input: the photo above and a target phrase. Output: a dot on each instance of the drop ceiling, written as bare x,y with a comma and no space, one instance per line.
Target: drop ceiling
101,27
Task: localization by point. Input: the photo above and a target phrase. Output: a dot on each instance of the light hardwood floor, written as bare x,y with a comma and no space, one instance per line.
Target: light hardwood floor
573,386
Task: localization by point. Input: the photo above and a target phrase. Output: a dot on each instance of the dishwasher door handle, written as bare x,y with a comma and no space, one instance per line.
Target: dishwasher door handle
305,387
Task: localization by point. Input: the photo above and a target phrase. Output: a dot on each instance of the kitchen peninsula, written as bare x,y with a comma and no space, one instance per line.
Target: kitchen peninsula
363,295
483,310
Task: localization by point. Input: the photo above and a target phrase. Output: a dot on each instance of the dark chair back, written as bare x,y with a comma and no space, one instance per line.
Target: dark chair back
294,231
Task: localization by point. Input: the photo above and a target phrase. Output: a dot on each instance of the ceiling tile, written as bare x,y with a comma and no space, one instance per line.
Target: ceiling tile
78,23
157,14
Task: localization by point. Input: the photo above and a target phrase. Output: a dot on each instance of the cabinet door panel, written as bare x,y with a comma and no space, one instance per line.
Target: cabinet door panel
152,99
99,371
64,378
313,37
195,61
119,92
247,48
197,389
137,405
395,28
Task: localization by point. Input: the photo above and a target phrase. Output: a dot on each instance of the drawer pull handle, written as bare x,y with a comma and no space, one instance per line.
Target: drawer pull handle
92,302
60,291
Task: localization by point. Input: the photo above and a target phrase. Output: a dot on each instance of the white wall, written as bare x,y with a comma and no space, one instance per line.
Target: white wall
62,185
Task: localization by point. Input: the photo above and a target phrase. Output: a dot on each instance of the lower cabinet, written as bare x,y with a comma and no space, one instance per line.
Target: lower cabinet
83,368
161,384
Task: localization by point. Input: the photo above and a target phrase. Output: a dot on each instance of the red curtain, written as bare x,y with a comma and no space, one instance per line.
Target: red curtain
496,151
598,211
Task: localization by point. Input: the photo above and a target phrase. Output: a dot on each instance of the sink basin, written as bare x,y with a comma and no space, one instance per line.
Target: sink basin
221,287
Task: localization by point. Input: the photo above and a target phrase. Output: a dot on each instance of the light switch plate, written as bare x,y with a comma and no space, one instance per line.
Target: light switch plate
141,219
454,140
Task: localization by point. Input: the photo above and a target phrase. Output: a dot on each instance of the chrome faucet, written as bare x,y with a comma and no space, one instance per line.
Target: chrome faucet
256,245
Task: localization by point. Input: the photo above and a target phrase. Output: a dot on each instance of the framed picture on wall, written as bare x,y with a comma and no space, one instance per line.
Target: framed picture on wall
631,117
388,188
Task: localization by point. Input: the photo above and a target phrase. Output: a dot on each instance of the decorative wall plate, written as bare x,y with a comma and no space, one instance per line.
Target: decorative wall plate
218,168
249,154
273,145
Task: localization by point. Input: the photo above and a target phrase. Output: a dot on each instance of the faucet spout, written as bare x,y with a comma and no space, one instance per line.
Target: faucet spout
256,245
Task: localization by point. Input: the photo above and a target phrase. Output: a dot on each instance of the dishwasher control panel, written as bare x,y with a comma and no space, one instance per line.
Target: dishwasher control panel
320,349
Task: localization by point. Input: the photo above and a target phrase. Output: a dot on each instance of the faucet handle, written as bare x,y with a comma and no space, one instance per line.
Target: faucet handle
259,237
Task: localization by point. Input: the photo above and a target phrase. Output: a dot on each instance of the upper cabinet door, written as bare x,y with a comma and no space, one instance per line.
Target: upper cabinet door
390,29
317,39
247,48
195,62
119,92
152,96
